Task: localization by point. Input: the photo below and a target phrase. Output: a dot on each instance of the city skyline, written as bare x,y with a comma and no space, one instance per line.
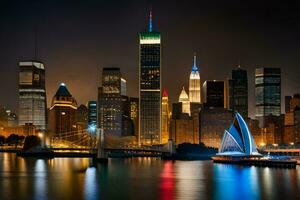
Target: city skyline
72,54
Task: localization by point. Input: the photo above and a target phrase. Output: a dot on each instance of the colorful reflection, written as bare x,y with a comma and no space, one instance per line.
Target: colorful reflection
141,178
235,182
167,181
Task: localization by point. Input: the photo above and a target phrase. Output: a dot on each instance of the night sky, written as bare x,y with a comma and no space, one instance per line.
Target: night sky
77,38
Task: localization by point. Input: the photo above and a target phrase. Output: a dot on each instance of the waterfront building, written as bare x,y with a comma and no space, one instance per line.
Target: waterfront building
239,91
273,129
184,99
114,106
24,130
134,114
32,94
183,127
296,136
110,102
292,120
182,130
62,113
92,118
267,93
150,86
194,84
165,117
237,140
215,93
213,121
257,132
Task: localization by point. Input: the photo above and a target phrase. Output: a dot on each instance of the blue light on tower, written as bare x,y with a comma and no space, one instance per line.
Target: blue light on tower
92,128
150,22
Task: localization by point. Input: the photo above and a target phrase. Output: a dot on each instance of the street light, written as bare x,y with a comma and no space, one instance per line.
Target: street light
40,135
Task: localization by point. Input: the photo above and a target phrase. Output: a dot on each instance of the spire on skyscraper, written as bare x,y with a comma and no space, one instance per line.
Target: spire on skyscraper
194,83
165,93
195,68
150,21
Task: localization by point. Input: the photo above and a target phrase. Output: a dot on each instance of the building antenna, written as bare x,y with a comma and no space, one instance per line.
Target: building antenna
195,59
150,21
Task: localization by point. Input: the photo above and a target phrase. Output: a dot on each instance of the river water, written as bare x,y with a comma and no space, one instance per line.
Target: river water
141,178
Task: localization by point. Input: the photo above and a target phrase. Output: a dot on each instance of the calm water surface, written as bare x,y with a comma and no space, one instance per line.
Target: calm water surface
141,178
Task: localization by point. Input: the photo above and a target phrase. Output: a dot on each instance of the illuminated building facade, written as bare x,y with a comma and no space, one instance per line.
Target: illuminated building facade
62,113
292,120
92,118
240,91
267,93
194,84
213,121
237,140
110,102
183,128
32,94
165,117
134,114
150,86
184,99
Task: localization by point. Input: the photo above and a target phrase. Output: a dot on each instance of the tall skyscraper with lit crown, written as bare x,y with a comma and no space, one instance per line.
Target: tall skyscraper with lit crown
194,84
150,86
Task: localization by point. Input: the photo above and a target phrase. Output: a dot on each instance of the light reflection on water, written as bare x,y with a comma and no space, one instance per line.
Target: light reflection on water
141,178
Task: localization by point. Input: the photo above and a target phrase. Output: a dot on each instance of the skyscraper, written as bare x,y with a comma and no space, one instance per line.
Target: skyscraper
32,94
165,117
184,99
240,91
267,92
150,86
62,113
214,93
92,115
134,114
110,102
194,84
